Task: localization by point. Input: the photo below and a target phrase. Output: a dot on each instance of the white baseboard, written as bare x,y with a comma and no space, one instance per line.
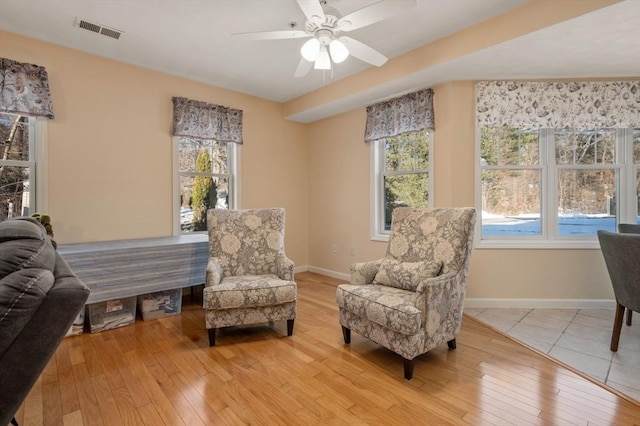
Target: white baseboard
540,303
329,273
298,269
496,303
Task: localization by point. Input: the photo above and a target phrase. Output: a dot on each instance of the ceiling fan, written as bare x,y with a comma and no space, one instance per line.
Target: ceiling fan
324,26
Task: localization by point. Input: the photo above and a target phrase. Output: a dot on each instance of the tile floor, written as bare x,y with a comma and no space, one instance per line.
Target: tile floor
577,337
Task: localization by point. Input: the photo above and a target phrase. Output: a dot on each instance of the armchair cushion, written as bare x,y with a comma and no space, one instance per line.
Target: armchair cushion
389,307
406,275
250,291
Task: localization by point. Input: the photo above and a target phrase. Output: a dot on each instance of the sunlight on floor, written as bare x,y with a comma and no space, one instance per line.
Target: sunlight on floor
577,337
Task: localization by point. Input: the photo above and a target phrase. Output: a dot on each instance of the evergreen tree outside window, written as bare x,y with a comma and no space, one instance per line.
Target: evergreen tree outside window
400,178
205,137
205,180
399,131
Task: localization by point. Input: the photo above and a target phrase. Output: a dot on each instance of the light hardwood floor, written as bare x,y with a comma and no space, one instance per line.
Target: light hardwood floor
164,372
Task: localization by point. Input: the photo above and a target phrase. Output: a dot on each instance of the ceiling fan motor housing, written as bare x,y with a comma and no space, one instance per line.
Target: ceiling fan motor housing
329,24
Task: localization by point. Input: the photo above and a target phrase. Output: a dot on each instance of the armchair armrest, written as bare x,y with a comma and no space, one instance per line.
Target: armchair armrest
441,299
213,272
284,267
364,272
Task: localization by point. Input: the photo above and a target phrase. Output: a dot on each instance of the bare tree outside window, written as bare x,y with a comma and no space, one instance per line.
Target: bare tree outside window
15,166
568,178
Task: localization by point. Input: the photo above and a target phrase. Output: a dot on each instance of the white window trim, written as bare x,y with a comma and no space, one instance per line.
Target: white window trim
42,163
377,231
37,164
376,199
624,159
628,213
234,182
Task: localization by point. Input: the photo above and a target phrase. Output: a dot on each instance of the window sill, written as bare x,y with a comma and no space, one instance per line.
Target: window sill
535,245
380,237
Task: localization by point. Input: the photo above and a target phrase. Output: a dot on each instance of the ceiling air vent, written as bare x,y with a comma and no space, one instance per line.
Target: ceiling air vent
99,29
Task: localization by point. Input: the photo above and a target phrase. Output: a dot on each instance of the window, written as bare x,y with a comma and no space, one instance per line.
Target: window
205,179
401,168
557,185
22,162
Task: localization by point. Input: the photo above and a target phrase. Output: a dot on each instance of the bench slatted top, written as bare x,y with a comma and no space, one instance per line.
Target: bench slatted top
124,268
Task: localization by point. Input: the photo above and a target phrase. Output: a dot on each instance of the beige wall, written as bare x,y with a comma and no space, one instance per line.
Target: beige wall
339,208
110,159
501,273
339,169
112,128
339,193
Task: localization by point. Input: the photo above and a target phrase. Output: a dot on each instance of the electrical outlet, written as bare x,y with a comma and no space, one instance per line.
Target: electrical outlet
353,251
334,247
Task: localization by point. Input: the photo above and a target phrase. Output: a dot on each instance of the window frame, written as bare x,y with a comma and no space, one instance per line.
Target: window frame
550,237
40,125
378,161
37,163
232,167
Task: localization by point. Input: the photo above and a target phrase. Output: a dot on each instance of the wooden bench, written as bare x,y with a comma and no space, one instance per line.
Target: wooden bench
125,268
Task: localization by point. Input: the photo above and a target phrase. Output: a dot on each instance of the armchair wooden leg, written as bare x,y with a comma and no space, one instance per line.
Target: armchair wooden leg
629,313
290,327
451,344
408,368
617,326
212,336
346,335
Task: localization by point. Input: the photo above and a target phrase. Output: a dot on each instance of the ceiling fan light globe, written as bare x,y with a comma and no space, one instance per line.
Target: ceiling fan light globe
339,51
324,61
310,49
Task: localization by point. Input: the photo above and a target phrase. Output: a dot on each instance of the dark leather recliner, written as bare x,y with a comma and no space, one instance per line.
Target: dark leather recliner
39,299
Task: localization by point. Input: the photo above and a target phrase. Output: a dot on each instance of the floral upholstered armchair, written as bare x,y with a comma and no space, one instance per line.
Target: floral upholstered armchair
249,279
411,300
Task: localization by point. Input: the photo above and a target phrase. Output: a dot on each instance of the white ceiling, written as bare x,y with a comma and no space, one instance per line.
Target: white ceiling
192,39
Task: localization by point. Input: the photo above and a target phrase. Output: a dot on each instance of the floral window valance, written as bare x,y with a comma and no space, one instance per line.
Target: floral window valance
202,120
558,105
409,113
24,89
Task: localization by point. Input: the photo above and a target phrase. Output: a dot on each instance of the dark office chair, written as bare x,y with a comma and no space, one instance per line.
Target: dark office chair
621,254
629,228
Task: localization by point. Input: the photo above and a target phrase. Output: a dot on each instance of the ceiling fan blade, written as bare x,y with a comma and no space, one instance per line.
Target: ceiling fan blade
312,9
272,35
304,67
363,52
372,14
